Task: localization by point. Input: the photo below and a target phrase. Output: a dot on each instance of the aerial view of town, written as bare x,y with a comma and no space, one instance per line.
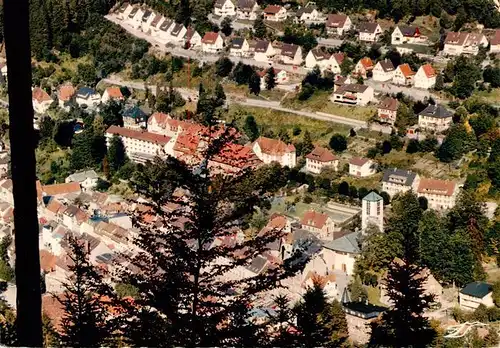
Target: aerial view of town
242,173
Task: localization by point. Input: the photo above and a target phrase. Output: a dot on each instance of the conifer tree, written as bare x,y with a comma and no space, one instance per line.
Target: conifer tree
251,128
270,79
116,154
254,83
307,144
84,323
282,321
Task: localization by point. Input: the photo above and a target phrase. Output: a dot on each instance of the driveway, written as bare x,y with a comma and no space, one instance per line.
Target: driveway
384,87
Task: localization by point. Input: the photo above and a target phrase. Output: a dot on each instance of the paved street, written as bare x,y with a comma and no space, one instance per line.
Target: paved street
385,87
329,42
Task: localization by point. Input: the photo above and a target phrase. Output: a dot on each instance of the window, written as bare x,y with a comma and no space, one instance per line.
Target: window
379,206
367,208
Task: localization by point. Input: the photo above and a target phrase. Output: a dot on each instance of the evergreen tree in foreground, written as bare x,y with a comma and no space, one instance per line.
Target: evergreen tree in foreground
188,294
270,79
84,323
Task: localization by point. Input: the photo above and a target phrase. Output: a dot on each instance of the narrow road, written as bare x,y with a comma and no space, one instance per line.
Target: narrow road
259,103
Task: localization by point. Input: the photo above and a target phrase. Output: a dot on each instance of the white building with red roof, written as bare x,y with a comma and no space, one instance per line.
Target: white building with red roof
274,150
495,42
320,158
318,223
457,43
387,110
361,167
281,76
212,42
233,158
440,194
64,95
425,77
403,75
275,13
338,24
317,57
363,67
112,93
41,100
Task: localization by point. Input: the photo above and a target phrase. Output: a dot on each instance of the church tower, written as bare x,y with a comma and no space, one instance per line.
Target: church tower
372,211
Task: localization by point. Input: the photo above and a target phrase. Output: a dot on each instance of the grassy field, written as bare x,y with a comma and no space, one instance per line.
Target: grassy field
274,120
320,102
490,97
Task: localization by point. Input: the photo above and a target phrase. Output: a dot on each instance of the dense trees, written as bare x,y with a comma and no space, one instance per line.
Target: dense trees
116,154
338,142
458,142
250,128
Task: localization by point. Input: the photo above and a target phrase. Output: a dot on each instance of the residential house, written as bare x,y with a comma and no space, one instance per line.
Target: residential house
369,32
440,194
338,24
475,294
397,181
131,15
425,77
363,67
362,167
340,81
87,98
65,96
353,94
275,13
383,71
87,179
6,193
320,158
335,61
308,13
165,27
291,54
58,190
239,47
41,100
147,18
112,93
224,8
134,117
159,123
177,33
273,150
154,26
140,146
387,110
403,34
247,9
328,283
124,10
318,57
263,51
495,42
212,42
340,253
320,224
403,75
233,158
73,217
3,69
53,238
435,118
281,76
135,21
459,43
192,38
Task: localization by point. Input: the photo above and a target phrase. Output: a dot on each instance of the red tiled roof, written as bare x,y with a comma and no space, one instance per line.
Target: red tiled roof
114,92
47,261
274,146
389,103
272,9
336,20
236,155
428,70
61,189
339,57
321,154
139,135
210,37
495,39
314,219
358,161
406,70
367,63
187,142
66,92
40,95
436,186
160,118
53,309
55,206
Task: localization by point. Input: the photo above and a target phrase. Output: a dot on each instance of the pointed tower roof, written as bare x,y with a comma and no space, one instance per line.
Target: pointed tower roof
372,197
346,297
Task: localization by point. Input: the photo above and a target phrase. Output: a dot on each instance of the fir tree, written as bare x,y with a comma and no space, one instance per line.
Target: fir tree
84,323
282,321
307,144
270,79
357,290
116,154
251,128
254,83
259,28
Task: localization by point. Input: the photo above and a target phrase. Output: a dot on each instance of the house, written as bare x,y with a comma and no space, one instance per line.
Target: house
239,47
425,77
177,33
403,34
320,158
192,38
159,123
147,18
318,57
338,24
308,13
233,158
135,19
403,75
363,67
134,117
372,211
362,167
87,179
124,10
273,150
87,98
165,27
112,93
263,51
275,13
341,253
383,71
247,9
73,217
140,146
430,286
320,224
65,96
154,26
459,43
440,194
335,61
58,190
281,76
212,42
291,54
435,118
495,42
224,8
41,100
369,32
340,81
353,94
387,110
397,181
475,294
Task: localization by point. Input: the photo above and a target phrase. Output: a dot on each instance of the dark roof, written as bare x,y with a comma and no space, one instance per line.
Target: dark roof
389,103
136,113
85,92
166,24
477,289
258,265
351,87
336,20
306,9
438,111
320,54
367,27
237,42
177,29
219,3
345,244
363,310
245,4
399,176
133,12
289,50
407,30
146,15
123,7
261,46
387,65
